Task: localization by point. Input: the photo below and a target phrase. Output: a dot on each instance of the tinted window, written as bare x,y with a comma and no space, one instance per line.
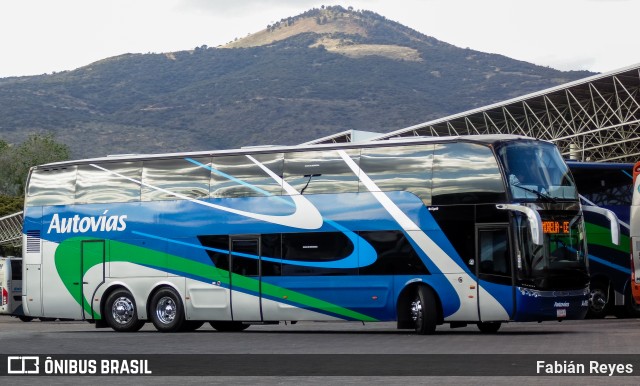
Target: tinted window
320,172
244,258
16,269
109,182
318,247
396,255
605,187
400,168
493,252
53,186
271,247
217,249
457,223
241,175
466,173
179,176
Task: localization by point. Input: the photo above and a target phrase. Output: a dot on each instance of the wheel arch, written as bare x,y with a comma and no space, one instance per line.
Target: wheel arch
603,281
405,297
115,287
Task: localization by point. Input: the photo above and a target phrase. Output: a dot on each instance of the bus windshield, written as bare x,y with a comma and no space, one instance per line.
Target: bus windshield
537,172
563,247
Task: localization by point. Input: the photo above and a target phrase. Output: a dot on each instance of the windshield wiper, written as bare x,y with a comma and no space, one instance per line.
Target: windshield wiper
539,194
309,176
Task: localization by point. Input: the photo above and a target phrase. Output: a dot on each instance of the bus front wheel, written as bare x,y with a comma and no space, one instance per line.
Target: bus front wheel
167,312
121,313
424,311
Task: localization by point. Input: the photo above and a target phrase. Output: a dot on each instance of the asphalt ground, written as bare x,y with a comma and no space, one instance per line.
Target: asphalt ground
358,353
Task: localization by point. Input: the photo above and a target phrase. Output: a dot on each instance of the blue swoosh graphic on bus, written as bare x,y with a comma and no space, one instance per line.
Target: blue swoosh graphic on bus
620,268
306,215
368,255
350,261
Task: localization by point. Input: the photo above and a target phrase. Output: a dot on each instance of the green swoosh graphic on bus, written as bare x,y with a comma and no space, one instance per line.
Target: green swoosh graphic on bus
69,253
598,235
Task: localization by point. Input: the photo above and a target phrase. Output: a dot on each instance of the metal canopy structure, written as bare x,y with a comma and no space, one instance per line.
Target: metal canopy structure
11,230
594,119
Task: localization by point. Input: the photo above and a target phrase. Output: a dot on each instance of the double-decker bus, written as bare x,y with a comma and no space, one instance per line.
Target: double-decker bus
635,235
608,186
460,230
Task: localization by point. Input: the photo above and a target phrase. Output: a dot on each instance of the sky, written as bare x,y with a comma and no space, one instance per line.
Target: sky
46,36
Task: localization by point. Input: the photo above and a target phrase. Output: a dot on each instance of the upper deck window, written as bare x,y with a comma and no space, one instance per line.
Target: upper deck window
52,186
466,173
313,172
173,179
108,182
400,168
244,176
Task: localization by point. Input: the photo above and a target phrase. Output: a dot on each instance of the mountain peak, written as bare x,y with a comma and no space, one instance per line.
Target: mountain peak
339,30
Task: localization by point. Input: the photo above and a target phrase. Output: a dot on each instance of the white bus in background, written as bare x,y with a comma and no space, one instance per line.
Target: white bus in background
635,234
11,287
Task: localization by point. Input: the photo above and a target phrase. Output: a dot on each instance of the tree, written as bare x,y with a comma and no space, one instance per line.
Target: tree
15,161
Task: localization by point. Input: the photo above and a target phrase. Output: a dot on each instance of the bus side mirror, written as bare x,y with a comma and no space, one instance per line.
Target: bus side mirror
613,221
535,223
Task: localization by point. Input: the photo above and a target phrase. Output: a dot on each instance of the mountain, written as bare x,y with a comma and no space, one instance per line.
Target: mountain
316,74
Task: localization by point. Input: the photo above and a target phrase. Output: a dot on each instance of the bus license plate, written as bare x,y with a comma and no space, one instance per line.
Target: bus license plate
561,313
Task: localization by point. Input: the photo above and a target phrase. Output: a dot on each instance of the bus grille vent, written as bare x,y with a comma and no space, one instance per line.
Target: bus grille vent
33,242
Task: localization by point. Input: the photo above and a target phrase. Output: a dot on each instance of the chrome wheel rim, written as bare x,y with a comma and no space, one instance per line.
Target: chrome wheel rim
598,300
123,310
416,310
166,310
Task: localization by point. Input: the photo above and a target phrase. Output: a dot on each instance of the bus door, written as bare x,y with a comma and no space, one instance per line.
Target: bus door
245,282
91,273
494,270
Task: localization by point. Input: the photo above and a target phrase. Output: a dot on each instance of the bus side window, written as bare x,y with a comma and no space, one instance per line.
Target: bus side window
314,172
52,186
399,168
240,176
109,182
172,179
466,173
16,269
493,252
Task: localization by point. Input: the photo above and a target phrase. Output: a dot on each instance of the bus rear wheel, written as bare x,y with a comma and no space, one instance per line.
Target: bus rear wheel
424,311
229,326
167,312
121,313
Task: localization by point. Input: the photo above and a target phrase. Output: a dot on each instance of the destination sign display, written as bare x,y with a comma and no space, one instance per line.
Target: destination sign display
555,227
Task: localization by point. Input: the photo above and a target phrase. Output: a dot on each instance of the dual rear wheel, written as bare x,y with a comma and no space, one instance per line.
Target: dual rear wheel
121,312
166,312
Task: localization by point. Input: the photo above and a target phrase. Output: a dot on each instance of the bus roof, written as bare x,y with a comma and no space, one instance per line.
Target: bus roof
487,139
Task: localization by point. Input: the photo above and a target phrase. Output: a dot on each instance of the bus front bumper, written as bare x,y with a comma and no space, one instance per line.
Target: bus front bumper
534,305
